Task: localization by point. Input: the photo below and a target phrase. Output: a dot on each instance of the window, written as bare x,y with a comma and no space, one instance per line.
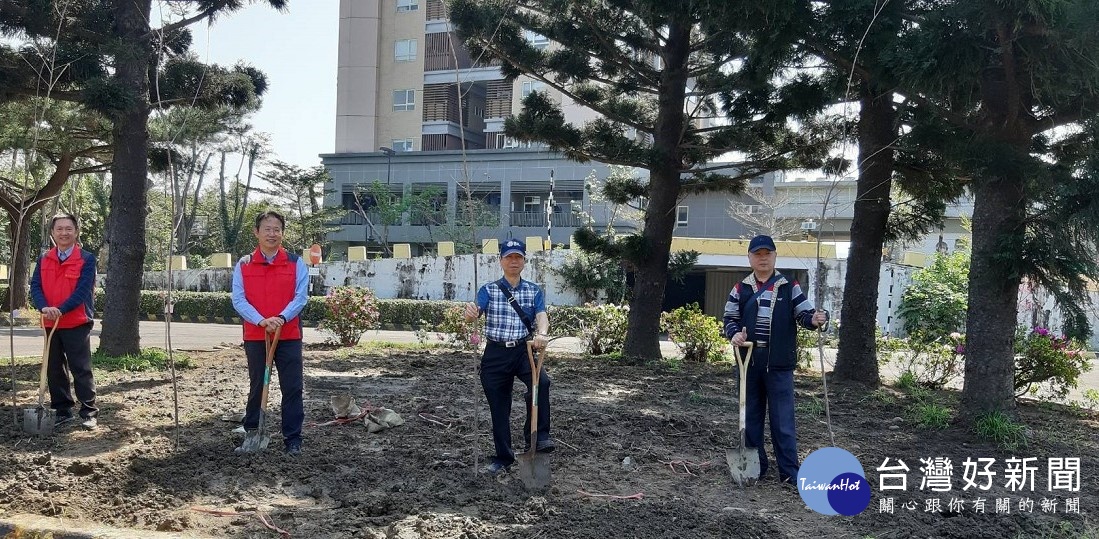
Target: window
402,145
533,86
404,99
532,203
404,50
536,40
681,215
407,5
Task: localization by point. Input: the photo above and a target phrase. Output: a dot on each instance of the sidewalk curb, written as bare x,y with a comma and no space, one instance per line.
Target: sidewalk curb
29,525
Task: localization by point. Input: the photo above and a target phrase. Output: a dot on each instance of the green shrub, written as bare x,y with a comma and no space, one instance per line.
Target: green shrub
907,380
934,364
414,312
934,304
602,328
696,334
351,312
1046,364
1000,428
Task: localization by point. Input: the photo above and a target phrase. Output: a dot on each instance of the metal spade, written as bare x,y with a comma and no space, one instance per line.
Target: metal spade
534,468
743,460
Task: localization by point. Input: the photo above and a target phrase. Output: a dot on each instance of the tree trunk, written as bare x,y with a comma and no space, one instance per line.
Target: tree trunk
129,173
20,263
857,360
993,297
651,275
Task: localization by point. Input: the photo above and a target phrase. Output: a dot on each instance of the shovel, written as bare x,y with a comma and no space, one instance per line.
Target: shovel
257,440
743,460
534,466
39,420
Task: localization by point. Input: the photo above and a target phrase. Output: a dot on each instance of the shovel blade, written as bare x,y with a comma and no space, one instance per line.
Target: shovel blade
743,465
255,440
534,471
38,421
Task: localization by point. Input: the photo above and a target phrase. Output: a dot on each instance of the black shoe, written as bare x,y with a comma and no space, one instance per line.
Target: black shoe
494,468
63,420
293,449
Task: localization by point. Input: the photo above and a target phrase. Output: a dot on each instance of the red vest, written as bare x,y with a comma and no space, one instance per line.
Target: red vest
270,288
59,280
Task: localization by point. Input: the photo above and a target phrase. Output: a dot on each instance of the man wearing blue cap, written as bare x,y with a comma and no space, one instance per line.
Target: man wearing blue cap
515,312
766,308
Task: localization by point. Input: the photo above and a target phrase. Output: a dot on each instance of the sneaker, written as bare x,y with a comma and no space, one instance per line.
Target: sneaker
89,423
63,420
293,449
495,468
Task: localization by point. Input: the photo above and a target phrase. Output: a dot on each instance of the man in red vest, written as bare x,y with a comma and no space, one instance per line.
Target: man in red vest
61,288
270,288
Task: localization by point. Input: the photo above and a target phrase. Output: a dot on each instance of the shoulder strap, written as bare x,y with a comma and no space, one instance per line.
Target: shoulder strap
515,305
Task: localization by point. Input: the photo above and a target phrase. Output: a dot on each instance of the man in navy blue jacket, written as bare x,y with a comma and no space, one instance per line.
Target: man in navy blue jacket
766,308
61,288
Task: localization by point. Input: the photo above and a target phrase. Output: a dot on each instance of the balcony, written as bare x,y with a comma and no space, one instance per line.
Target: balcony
538,219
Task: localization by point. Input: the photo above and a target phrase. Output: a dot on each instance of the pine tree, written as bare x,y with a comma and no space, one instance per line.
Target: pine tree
674,87
105,55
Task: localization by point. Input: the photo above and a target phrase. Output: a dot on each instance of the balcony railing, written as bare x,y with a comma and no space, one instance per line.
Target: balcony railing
538,219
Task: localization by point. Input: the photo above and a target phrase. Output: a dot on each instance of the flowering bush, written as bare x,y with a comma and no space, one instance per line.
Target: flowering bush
349,312
457,332
1047,363
603,329
698,335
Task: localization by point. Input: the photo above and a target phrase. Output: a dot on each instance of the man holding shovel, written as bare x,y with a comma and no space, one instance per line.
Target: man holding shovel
270,288
765,309
509,306
61,288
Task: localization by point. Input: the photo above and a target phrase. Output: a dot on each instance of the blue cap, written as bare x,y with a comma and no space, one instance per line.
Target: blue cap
509,246
761,242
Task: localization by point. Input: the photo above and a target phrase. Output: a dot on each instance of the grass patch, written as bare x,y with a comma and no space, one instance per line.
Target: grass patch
881,396
671,364
811,406
907,381
1000,428
696,397
148,360
930,415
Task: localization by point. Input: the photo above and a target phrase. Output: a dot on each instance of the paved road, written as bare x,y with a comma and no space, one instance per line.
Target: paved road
196,337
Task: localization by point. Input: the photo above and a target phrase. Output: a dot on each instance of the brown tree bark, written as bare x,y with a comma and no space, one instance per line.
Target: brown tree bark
129,177
857,359
651,266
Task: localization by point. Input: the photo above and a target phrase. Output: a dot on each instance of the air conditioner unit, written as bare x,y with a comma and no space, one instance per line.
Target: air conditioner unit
808,225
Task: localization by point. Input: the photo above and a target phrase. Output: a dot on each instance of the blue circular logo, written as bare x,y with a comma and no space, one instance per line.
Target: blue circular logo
831,481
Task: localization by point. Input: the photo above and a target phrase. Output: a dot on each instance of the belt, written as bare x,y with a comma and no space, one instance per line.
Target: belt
509,344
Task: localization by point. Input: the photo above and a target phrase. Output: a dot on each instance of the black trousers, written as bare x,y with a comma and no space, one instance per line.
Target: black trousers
288,365
499,368
71,355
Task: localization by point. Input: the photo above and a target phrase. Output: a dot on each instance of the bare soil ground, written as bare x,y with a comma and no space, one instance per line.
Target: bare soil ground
419,479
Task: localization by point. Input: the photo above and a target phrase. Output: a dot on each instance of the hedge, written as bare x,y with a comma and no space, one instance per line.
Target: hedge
217,307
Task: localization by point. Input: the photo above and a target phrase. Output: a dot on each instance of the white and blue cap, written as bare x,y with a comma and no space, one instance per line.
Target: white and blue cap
510,246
